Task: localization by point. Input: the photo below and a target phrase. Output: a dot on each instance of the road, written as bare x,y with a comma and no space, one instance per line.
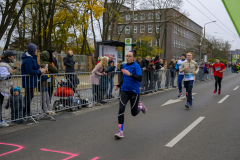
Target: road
208,130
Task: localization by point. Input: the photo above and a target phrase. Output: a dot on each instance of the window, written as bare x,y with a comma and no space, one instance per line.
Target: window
157,28
120,30
158,15
135,16
187,23
142,16
127,17
150,29
182,45
175,29
142,29
150,15
180,31
174,43
150,42
179,44
135,29
127,30
184,33
187,34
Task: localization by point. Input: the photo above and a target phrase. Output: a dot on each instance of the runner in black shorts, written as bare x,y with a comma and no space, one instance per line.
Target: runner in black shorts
218,69
130,90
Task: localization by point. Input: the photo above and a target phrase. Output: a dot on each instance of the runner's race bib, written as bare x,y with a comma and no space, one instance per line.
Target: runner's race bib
217,68
188,76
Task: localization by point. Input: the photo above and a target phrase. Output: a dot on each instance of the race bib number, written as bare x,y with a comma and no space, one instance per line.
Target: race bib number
188,76
217,68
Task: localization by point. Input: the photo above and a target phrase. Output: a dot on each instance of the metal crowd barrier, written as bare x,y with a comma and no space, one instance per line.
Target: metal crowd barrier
71,91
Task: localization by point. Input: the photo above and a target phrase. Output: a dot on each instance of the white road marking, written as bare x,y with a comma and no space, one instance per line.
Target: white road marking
171,101
184,132
236,88
223,99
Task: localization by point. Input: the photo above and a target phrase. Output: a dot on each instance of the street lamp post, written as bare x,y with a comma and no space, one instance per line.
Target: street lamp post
200,51
204,33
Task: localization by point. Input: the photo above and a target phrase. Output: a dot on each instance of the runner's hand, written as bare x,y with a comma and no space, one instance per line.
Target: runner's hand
126,72
116,88
115,64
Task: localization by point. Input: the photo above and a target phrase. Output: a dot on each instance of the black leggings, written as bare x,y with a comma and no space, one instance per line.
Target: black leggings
218,81
124,98
1,103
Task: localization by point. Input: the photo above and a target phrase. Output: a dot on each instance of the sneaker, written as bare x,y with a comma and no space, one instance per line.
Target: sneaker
119,135
144,109
215,91
187,105
4,124
219,92
180,95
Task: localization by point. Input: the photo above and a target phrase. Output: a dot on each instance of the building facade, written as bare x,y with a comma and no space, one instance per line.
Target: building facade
181,32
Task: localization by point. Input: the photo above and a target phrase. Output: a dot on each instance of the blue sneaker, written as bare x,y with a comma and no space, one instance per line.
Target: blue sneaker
187,105
180,95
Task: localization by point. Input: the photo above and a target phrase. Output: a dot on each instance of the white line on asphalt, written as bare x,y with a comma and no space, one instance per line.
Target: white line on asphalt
184,132
236,88
223,99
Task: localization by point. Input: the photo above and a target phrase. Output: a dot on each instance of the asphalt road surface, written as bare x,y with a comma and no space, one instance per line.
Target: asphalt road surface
209,130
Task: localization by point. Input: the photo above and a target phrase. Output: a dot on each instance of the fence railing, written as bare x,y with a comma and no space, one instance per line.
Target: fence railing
42,96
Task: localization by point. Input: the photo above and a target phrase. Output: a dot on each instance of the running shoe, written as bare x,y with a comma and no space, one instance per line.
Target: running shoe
144,109
180,95
219,91
215,91
187,105
4,124
119,135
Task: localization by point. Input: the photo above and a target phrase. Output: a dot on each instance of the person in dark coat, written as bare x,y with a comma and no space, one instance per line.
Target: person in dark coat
30,67
139,60
53,58
69,62
145,65
17,104
172,68
111,74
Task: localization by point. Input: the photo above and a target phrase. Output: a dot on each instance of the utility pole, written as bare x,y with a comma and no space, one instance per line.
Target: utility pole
204,37
165,40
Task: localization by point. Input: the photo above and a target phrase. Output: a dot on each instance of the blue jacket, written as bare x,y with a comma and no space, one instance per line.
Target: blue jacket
29,67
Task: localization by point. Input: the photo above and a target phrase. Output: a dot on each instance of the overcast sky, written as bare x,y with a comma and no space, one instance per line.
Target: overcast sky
218,10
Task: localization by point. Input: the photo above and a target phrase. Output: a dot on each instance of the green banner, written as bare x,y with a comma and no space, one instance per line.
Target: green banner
233,9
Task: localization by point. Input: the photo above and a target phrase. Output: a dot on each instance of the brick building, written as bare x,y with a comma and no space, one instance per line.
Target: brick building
181,31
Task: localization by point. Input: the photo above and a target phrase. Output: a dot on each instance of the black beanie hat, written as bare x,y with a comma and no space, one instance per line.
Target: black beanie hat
184,55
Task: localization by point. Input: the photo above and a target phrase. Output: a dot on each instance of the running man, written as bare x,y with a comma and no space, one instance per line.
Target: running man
181,75
130,90
218,68
190,69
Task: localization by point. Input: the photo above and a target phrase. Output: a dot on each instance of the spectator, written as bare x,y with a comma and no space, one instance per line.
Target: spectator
172,68
46,106
6,70
94,77
157,64
108,93
30,67
103,87
46,58
17,104
54,59
200,63
139,59
151,69
69,62
160,73
99,60
144,65
205,71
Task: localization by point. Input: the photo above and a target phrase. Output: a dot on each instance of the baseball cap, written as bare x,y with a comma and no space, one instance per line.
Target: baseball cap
9,53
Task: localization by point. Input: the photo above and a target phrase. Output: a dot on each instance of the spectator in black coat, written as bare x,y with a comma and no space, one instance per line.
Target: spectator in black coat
145,65
69,62
139,60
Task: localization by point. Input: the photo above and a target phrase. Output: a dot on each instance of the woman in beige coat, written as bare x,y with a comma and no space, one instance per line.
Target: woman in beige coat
95,77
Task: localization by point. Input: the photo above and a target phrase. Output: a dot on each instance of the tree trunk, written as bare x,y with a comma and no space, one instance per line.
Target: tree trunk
50,28
39,25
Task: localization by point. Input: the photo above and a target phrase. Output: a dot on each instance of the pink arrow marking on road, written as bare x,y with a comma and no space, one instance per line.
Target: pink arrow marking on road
96,158
15,145
71,154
